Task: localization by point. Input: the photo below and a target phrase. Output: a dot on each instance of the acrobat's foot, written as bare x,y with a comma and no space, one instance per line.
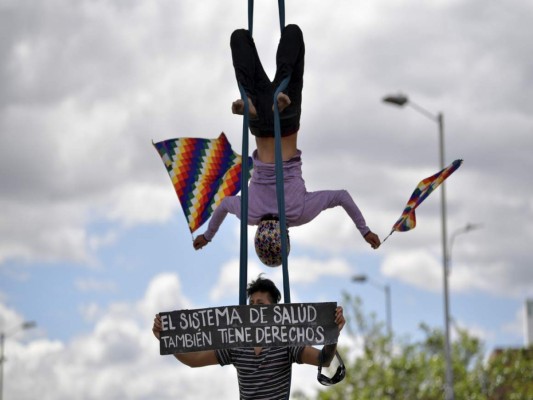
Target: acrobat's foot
283,102
237,107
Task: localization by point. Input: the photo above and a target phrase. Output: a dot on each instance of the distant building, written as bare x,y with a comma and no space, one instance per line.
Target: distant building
529,322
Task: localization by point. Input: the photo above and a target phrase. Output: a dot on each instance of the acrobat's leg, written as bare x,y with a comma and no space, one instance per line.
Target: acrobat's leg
248,68
290,60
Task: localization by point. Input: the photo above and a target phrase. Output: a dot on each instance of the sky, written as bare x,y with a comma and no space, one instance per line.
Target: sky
93,242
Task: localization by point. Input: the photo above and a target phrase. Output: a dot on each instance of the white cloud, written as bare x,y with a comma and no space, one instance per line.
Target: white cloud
118,359
87,85
331,232
91,312
307,270
474,330
227,285
418,268
135,204
303,270
517,326
90,85
9,319
92,285
96,242
163,293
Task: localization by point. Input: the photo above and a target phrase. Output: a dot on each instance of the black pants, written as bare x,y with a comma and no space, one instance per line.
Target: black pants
251,75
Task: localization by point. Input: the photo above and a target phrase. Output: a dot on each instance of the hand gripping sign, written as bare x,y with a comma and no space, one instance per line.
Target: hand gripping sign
292,324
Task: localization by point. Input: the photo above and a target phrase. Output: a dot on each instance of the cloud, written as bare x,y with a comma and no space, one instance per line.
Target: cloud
10,320
307,270
89,85
482,333
517,326
418,268
80,86
86,87
117,359
139,203
303,271
89,285
227,284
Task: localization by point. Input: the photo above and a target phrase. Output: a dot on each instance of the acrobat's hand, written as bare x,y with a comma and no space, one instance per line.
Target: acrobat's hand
200,242
283,102
372,239
237,107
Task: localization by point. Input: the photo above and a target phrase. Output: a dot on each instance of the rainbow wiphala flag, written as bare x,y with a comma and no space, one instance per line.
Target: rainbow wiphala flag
203,172
408,219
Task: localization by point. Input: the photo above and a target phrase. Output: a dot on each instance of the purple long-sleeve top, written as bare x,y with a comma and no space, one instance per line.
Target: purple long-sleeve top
301,206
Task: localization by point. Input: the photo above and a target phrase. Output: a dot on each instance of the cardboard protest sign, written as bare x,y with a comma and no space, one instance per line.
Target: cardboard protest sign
293,324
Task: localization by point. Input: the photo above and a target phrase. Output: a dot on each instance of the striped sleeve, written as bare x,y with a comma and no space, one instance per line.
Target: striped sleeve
223,356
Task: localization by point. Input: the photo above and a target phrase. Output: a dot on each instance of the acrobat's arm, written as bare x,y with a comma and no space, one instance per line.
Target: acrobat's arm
230,204
316,202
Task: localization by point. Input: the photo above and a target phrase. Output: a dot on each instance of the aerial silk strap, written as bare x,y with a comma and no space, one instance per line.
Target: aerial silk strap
280,192
281,7
280,189
243,279
251,17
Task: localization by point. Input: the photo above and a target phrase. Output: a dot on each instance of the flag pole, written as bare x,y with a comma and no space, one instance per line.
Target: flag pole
383,241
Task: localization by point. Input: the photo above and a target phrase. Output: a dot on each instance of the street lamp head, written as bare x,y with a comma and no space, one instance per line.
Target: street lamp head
29,325
359,278
399,100
471,227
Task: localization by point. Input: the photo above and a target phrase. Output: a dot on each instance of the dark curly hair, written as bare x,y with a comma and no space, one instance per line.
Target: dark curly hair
264,285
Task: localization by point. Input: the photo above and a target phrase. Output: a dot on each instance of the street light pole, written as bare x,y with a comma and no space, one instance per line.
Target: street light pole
386,289
401,100
3,335
449,391
2,339
389,309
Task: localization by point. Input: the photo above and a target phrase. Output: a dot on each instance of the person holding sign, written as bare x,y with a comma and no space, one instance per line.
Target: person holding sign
301,206
263,372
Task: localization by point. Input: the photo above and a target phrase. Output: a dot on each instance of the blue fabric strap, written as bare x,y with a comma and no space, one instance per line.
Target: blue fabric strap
281,6
280,192
243,280
251,17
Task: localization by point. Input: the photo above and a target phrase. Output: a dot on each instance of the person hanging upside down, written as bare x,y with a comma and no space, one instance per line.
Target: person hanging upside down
301,206
263,373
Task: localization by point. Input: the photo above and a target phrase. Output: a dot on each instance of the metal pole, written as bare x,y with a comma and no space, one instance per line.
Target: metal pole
448,389
401,100
3,335
388,302
2,338
389,312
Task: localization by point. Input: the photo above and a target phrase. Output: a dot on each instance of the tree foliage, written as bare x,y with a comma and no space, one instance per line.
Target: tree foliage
510,374
391,368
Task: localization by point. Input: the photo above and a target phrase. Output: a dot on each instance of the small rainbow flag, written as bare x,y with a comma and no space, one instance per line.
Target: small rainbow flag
407,221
